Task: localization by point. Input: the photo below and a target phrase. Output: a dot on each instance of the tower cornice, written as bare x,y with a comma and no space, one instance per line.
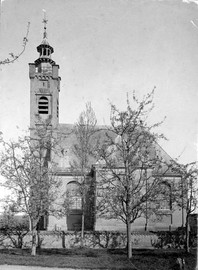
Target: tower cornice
44,60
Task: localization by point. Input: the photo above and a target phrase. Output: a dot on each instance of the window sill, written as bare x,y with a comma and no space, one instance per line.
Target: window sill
164,212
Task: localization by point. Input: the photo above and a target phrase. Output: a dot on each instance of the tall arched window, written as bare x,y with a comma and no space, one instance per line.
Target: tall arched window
57,108
74,196
43,105
164,197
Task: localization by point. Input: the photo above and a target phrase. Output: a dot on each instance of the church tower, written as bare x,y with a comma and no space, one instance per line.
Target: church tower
44,86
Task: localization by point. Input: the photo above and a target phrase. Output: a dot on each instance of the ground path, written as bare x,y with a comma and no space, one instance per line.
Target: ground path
22,267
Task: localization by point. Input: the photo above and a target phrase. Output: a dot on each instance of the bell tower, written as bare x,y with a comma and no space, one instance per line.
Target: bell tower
44,86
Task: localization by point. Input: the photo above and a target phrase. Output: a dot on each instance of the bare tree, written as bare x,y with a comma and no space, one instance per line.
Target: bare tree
13,57
130,165
84,131
186,194
29,171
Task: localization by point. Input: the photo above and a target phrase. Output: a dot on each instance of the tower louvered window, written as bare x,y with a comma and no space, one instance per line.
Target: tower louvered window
43,105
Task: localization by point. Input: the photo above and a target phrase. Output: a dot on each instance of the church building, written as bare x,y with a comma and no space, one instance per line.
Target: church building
44,105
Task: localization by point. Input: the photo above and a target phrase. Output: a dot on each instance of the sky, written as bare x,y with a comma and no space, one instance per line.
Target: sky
106,49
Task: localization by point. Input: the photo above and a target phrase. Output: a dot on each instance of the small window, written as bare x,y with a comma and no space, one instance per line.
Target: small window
43,105
44,52
44,84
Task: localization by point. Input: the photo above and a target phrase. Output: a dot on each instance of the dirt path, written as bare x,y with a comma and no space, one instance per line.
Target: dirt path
22,267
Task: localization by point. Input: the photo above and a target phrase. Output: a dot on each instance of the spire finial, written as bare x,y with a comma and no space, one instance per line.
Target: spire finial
45,24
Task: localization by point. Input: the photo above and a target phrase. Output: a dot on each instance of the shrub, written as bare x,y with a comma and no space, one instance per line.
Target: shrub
170,239
13,228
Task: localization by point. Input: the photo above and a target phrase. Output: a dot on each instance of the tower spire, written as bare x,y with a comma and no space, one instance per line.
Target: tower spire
44,49
45,25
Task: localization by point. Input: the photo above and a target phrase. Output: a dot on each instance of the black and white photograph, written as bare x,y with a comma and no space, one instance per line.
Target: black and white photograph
98,134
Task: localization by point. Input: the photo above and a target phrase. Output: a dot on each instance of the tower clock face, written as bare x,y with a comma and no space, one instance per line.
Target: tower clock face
46,68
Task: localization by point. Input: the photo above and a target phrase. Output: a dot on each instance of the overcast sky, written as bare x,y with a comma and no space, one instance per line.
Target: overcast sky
106,48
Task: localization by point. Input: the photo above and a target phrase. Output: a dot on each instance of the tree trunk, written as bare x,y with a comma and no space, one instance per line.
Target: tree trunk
34,236
33,253
38,241
83,219
63,239
187,235
129,244
82,229
20,241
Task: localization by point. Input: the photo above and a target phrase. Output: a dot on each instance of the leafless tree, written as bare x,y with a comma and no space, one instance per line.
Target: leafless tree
130,164
84,131
186,194
28,168
13,57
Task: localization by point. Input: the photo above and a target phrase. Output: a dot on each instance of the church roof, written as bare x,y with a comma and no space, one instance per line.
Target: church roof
65,128
69,139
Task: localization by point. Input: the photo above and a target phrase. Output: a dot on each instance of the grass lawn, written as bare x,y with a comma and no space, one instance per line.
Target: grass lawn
100,259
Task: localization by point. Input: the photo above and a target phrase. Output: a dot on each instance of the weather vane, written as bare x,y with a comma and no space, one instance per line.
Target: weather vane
45,24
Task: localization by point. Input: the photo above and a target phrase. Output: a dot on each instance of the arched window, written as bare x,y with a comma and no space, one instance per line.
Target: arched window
57,108
43,105
164,197
74,196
